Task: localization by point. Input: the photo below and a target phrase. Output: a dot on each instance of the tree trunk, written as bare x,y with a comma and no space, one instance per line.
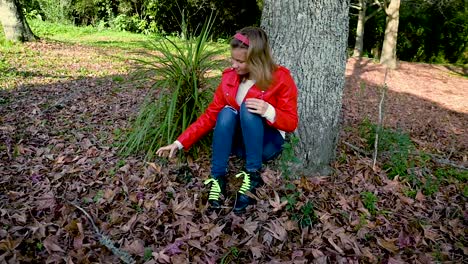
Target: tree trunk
388,57
310,38
14,23
359,45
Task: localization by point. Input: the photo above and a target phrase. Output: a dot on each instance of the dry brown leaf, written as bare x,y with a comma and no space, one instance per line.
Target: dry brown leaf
335,246
8,243
250,226
277,230
277,204
46,201
20,217
215,231
196,244
50,243
387,244
161,257
78,240
420,196
129,225
136,247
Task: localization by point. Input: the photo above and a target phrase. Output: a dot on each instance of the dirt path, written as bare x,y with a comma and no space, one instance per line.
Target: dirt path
429,102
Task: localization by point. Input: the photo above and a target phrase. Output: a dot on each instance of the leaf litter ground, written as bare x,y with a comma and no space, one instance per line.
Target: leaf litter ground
57,134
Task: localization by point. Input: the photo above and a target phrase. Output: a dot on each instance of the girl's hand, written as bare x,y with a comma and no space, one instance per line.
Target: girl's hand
257,106
167,151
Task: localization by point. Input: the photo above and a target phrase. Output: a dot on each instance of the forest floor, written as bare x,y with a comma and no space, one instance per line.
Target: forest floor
63,106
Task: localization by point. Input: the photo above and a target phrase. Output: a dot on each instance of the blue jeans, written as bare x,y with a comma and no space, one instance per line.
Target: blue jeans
246,135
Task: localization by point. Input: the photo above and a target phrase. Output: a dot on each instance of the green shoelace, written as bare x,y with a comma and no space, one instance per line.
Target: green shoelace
215,190
245,187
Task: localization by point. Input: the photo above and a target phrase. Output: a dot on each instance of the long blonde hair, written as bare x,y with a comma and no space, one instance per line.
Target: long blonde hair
259,60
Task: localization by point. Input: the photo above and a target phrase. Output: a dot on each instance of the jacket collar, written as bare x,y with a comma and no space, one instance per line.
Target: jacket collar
232,78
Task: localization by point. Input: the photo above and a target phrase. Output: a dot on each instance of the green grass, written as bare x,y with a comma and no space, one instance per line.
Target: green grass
369,201
98,37
402,159
90,36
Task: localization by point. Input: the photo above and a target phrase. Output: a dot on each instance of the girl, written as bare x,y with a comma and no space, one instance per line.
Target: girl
253,107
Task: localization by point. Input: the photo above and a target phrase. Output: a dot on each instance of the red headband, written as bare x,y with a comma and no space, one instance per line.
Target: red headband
242,38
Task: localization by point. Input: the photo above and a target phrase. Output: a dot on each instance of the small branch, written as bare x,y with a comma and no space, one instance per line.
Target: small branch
377,2
373,14
436,158
104,240
450,163
357,149
379,124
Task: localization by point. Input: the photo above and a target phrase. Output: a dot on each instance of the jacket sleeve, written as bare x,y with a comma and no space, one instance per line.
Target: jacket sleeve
205,122
286,106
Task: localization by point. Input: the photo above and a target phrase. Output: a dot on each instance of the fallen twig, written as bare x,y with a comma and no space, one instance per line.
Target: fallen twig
104,240
357,149
436,158
379,124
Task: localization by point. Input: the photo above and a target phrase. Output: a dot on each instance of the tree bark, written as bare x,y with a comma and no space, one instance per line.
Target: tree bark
388,57
310,38
359,44
14,23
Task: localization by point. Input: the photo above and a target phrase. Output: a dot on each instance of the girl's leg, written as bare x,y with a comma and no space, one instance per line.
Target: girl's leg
252,127
261,141
226,124
254,133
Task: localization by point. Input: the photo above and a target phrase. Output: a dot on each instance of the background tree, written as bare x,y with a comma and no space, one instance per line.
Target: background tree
14,23
420,39
310,38
362,6
392,9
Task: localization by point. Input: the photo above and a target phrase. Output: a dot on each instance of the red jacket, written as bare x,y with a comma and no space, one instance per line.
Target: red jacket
282,95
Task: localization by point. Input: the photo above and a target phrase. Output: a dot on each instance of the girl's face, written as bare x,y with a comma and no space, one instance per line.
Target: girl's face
239,61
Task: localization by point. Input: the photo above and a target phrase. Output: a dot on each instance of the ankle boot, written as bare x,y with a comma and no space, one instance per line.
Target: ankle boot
218,188
251,181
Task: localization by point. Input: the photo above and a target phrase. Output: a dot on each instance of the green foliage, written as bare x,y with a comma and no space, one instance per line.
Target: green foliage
397,144
229,256
148,254
369,201
288,157
304,214
56,11
231,15
39,246
447,173
420,39
424,40
401,159
180,70
98,196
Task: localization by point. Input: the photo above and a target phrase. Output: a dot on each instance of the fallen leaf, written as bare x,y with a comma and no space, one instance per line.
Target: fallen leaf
387,244
136,247
277,204
215,231
277,230
250,226
50,243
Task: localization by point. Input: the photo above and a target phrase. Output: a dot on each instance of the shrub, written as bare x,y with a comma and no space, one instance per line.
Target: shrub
56,11
180,76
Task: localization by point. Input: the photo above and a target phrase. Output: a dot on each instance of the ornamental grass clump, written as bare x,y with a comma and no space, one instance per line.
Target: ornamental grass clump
179,72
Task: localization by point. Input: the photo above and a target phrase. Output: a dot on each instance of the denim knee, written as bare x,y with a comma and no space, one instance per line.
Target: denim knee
227,118
247,116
